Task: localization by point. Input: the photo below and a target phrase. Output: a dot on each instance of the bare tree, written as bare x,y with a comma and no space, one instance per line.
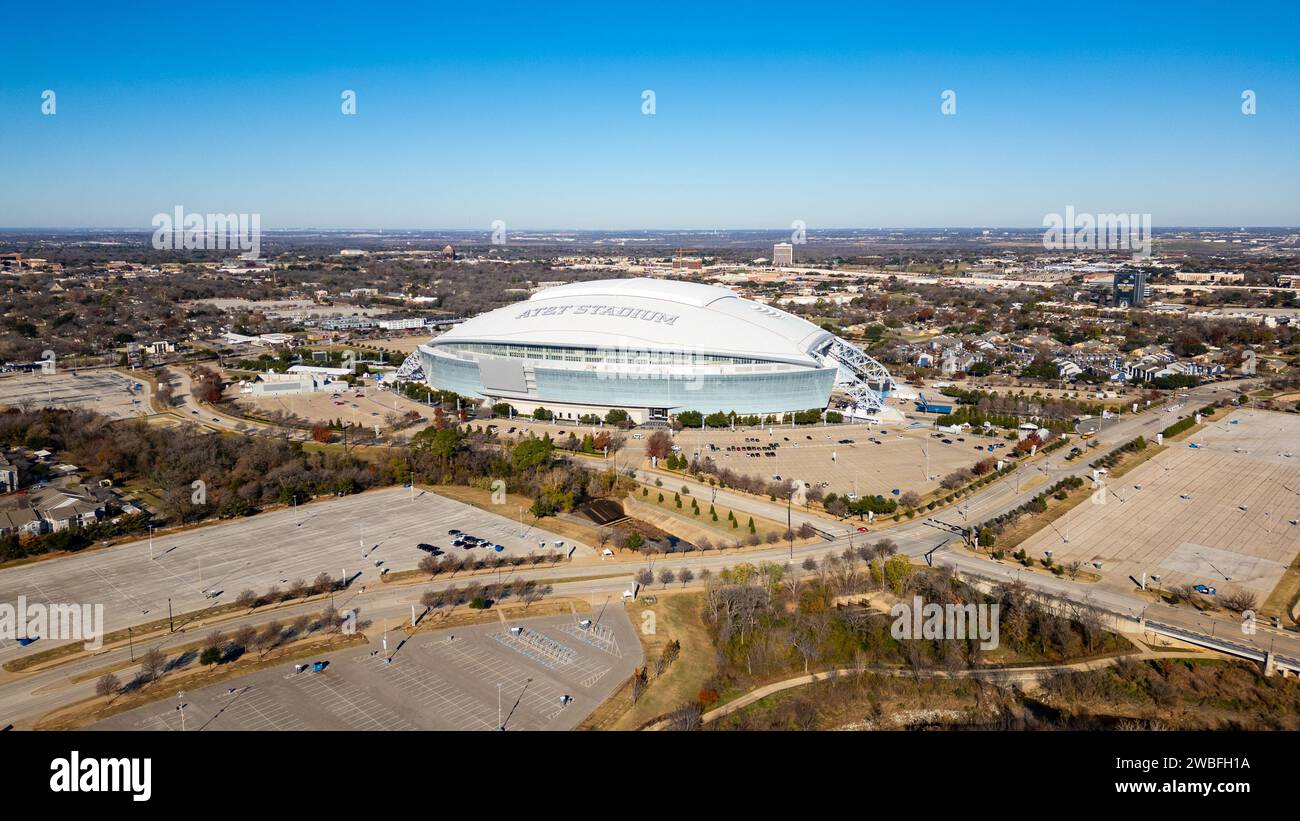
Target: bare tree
244,636
107,685
685,718
269,637
323,583
152,663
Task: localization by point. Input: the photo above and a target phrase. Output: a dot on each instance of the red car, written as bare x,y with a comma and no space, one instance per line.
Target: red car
863,530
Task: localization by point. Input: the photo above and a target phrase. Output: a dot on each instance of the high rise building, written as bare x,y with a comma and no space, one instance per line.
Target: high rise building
1131,289
783,255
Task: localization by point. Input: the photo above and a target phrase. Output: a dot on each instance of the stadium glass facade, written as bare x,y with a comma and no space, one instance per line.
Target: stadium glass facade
648,384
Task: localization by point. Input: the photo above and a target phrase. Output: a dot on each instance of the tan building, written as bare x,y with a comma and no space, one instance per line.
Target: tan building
782,255
1210,278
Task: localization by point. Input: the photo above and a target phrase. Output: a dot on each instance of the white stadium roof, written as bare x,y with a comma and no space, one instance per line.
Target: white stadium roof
647,313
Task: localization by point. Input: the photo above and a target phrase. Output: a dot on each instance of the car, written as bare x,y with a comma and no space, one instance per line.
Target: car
215,419
1208,591
864,530
26,640
453,532
947,441
196,413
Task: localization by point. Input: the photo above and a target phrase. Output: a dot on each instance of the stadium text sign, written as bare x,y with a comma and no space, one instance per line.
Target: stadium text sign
602,310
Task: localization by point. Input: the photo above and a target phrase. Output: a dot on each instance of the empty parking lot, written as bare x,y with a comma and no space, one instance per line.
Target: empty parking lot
103,391
1219,514
549,676
361,535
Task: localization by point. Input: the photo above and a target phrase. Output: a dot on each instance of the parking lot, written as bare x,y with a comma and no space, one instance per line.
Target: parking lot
367,407
443,680
362,535
814,453
1219,514
878,459
104,391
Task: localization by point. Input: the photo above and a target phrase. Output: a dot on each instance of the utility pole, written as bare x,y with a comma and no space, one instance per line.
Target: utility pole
789,523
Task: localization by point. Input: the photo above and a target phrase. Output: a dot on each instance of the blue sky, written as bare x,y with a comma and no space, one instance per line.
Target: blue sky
828,113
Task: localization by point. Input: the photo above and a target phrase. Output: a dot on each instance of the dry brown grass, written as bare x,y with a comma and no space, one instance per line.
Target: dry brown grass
676,616
482,499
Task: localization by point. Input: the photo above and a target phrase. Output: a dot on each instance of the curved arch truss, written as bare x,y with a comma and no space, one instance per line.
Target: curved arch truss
865,380
412,368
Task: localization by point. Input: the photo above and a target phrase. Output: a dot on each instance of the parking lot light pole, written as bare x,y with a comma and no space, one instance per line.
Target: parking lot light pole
789,523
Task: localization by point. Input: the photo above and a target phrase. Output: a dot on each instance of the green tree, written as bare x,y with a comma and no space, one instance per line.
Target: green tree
532,453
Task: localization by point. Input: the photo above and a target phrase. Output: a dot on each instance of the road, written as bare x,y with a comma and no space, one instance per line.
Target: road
191,410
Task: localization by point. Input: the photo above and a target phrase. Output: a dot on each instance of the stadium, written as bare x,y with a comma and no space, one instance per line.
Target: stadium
653,348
